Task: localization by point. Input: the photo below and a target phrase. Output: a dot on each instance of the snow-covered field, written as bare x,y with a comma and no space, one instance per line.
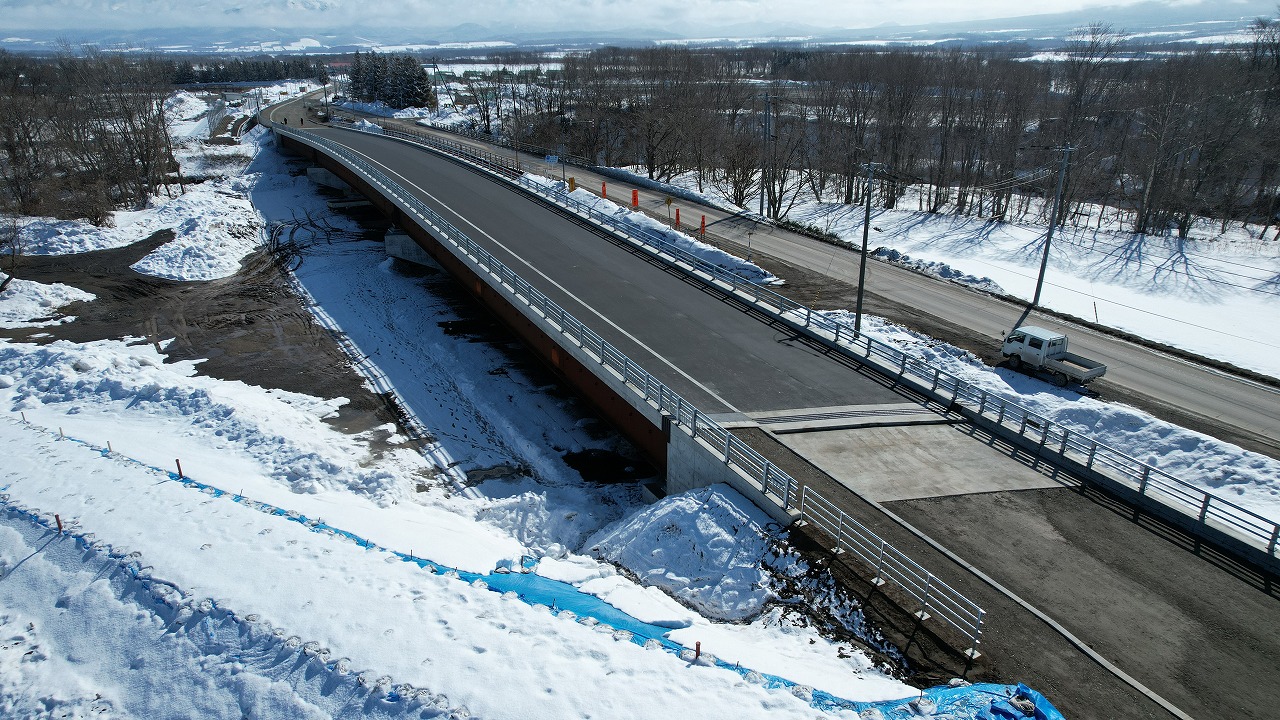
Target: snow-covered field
302,572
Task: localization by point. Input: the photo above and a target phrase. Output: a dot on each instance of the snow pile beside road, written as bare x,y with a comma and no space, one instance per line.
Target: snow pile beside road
711,255
182,105
705,547
31,304
939,270
383,110
1243,477
220,227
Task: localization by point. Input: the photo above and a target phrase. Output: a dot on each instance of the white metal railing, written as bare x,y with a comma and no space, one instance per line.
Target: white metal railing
936,598
776,483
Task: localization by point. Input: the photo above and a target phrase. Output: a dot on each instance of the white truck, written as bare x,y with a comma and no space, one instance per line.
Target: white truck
1038,350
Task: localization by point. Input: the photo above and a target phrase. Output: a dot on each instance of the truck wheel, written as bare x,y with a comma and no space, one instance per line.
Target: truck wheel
1060,379
1015,362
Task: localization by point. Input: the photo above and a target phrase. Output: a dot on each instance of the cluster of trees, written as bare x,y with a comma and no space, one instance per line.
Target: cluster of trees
398,81
82,135
264,68
1156,139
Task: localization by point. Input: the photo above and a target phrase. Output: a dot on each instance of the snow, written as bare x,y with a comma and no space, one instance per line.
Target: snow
1246,478
703,547
639,221
31,304
1213,294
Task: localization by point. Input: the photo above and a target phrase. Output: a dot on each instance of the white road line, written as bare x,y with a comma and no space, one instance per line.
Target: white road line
409,183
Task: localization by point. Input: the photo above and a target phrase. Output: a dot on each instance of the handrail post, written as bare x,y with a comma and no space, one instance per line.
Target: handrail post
1146,475
879,578
976,634
728,438
924,604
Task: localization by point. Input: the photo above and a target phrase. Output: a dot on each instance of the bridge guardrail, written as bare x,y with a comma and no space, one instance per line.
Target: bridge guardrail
1147,484
774,481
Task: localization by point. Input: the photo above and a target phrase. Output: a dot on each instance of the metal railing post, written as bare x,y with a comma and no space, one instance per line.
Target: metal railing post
924,604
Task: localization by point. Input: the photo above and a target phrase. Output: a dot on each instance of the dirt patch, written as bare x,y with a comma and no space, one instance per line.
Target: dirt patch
247,327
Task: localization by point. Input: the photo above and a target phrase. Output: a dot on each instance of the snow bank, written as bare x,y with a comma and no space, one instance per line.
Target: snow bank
219,229
705,547
31,304
942,271
215,226
1246,478
640,221
129,389
383,110
182,105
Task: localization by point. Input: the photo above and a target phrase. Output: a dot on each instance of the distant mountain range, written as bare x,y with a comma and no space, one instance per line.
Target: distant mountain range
1152,23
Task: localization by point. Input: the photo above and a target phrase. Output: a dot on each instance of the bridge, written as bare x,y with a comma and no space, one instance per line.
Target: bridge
961,518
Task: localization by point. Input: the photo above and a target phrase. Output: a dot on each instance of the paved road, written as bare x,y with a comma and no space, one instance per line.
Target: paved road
706,348
1244,411
726,359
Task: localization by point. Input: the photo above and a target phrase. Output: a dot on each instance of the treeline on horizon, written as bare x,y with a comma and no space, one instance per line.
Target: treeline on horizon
1157,140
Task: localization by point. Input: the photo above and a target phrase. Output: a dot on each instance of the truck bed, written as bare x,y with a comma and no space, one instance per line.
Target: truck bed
1076,367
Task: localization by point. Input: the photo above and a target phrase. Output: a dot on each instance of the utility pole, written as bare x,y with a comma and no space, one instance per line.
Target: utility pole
866,229
1053,219
764,146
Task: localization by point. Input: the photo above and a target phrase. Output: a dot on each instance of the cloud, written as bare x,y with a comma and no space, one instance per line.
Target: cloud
684,17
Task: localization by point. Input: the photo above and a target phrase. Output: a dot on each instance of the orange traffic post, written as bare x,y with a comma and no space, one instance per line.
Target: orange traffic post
704,225
677,218
635,198
604,190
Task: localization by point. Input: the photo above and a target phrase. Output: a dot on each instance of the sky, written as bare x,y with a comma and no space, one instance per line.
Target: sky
682,17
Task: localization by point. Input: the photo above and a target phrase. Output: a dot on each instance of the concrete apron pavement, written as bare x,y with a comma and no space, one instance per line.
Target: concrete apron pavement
903,451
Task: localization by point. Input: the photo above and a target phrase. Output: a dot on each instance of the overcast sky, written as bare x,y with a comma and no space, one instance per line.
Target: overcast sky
684,17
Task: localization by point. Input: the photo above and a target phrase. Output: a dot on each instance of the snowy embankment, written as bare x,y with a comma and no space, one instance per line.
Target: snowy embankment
1214,293
681,241
271,447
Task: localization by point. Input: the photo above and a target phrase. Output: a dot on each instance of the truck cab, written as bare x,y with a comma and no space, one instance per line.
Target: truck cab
1031,344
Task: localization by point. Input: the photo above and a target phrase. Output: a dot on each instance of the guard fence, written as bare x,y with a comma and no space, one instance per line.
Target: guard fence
776,483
